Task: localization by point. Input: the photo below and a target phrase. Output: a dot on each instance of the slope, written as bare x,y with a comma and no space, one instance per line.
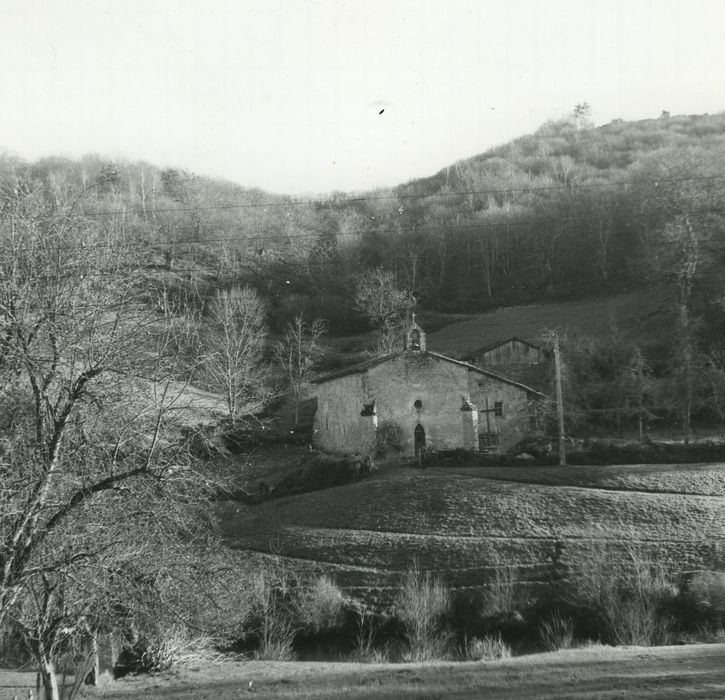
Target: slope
466,523
644,316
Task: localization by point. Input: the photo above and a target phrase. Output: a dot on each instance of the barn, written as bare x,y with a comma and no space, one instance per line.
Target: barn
432,401
514,358
504,353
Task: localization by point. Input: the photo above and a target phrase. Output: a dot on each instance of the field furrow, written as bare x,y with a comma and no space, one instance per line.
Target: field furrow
465,526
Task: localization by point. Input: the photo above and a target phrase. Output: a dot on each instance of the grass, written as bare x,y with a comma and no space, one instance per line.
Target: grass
488,648
465,526
692,479
603,672
643,316
556,632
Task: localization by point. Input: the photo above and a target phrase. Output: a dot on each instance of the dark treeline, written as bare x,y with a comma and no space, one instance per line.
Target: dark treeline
564,212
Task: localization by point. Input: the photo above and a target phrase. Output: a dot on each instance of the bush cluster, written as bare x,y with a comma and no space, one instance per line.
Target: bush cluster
321,474
629,600
390,439
167,648
313,474
594,453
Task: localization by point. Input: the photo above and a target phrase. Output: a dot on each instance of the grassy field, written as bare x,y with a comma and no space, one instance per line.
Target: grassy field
465,522
644,316
599,672
691,479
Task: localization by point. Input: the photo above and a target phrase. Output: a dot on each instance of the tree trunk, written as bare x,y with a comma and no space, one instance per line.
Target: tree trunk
95,662
49,680
559,402
687,417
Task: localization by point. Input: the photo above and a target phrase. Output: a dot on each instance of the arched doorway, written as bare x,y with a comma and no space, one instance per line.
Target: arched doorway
419,439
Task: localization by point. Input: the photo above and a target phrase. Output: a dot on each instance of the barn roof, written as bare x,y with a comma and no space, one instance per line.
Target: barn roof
499,343
365,366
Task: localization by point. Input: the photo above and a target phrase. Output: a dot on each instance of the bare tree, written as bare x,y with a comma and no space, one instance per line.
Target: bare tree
296,354
235,350
681,197
385,306
635,387
83,433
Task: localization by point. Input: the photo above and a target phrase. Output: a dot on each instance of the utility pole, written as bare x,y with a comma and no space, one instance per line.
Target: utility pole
559,401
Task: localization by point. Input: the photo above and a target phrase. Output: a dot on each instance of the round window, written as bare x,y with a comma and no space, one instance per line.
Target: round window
418,404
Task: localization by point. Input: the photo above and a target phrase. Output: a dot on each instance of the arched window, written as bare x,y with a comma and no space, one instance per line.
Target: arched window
415,339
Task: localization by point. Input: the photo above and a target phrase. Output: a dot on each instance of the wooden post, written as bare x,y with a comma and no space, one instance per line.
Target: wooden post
559,401
488,419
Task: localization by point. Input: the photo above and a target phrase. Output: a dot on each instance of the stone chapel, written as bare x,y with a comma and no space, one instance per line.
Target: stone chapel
437,402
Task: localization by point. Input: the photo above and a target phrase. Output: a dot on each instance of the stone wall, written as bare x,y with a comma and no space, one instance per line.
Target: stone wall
411,389
515,423
439,387
338,425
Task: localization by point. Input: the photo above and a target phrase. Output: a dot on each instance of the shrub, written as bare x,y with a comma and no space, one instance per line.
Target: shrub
626,598
494,609
389,439
701,605
707,590
705,634
320,605
556,632
320,472
633,620
169,648
488,648
273,618
500,595
422,605
364,649
294,616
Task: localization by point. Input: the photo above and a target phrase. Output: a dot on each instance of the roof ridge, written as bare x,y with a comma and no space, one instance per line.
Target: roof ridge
488,373
364,366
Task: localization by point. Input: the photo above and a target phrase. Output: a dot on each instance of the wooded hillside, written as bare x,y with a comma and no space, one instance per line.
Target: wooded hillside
567,211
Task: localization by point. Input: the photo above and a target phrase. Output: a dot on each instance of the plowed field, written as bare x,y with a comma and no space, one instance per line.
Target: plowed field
465,522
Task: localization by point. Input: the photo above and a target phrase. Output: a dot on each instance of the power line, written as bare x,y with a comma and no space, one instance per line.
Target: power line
354,200
242,237
124,269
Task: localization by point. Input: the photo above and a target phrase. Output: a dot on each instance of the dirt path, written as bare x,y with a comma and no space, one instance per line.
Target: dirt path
694,671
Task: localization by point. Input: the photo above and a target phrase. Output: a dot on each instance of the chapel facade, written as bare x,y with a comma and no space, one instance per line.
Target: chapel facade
436,402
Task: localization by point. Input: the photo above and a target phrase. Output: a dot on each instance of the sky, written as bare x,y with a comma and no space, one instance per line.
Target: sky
311,96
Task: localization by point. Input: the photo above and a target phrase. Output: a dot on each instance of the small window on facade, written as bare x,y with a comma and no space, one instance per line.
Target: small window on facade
418,404
498,408
368,409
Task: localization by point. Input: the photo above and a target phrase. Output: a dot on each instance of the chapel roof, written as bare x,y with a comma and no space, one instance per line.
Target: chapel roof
363,367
